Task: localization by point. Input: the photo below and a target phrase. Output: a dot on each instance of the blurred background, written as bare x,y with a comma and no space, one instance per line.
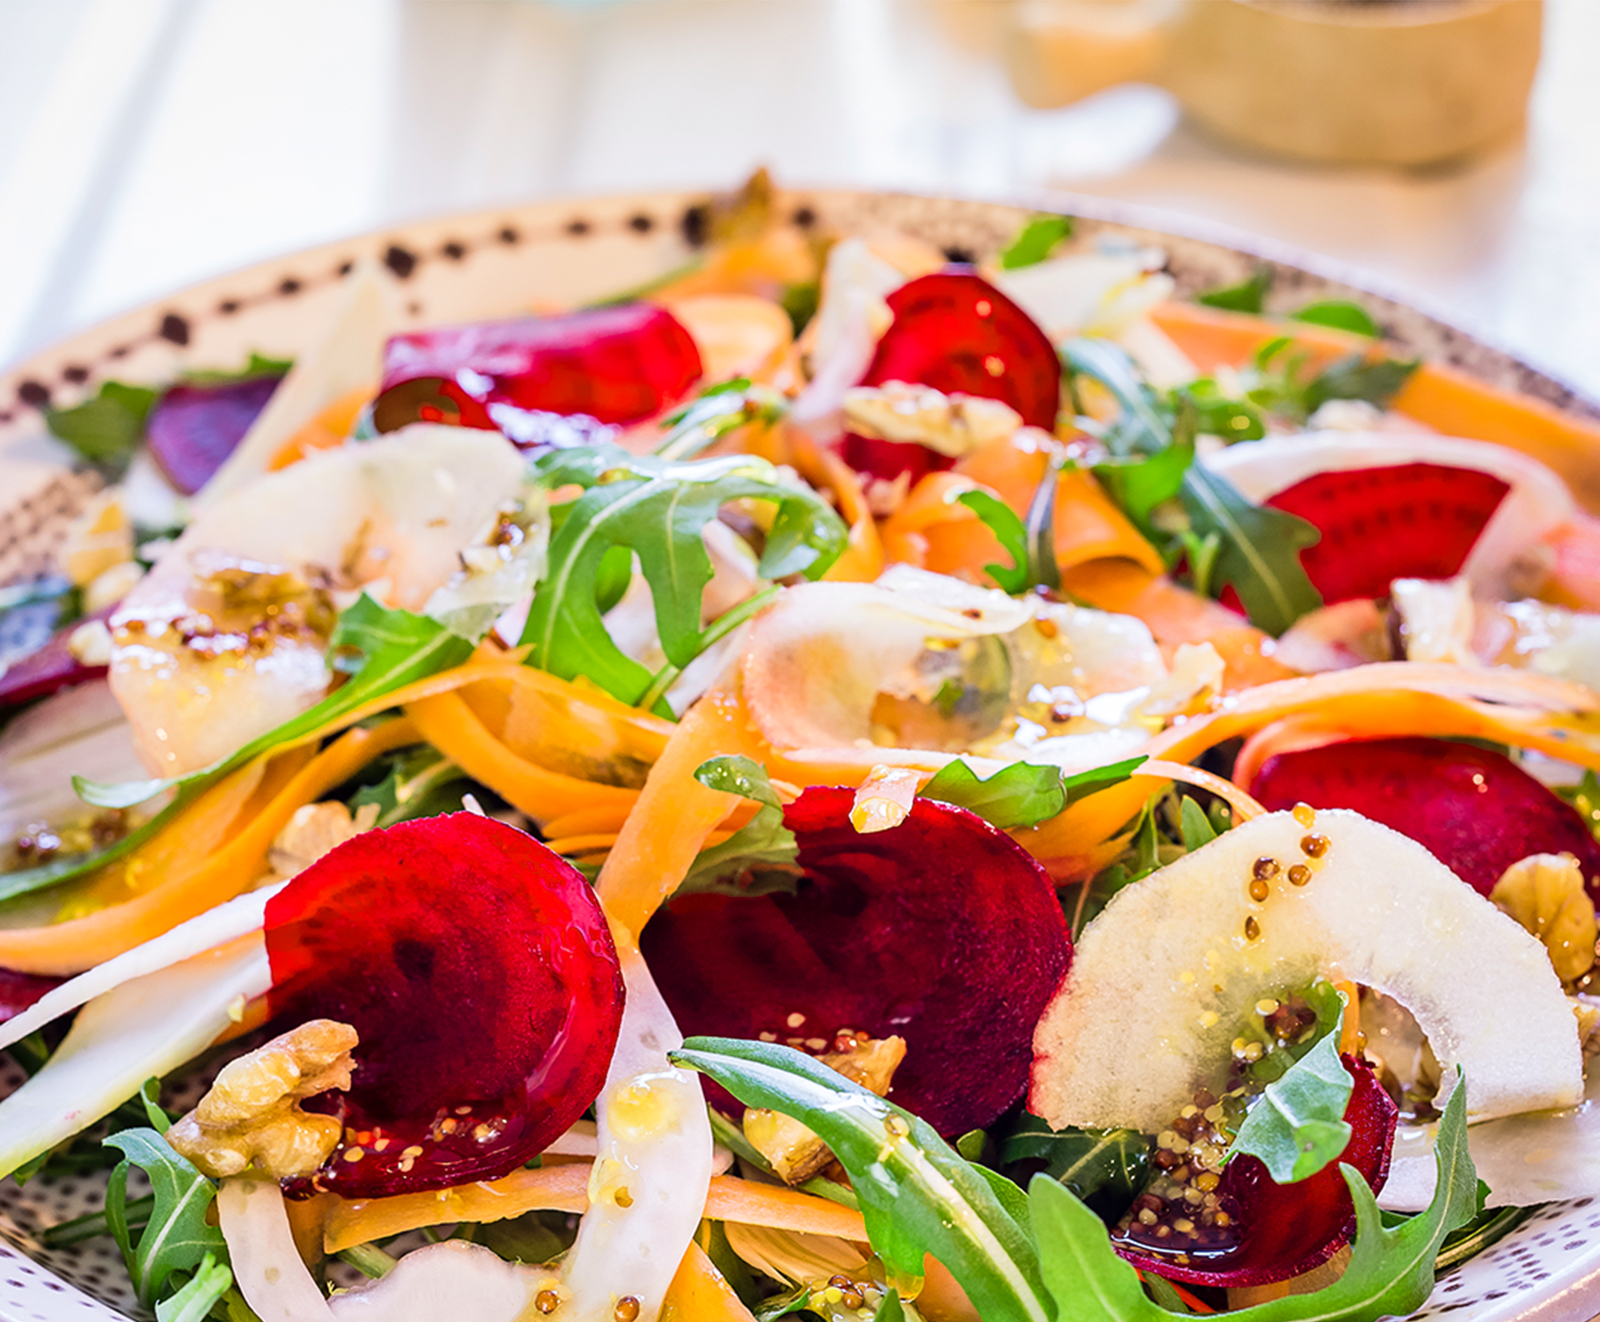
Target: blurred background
145,144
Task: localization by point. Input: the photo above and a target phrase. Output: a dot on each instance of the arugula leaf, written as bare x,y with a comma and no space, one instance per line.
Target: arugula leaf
107,427
917,1195
420,782
1195,825
1390,1273
1011,533
177,1237
1247,296
1217,414
716,411
1140,483
1297,1126
1141,427
1023,793
1106,1168
890,1310
1585,797
762,856
658,508
1341,314
388,650
1259,552
1018,795
1354,377
212,1280
1035,241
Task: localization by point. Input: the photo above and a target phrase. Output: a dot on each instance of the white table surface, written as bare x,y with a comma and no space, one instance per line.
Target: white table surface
145,144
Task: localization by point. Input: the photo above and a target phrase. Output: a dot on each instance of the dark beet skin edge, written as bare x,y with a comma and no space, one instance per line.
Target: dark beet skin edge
942,930
1287,1229
479,971
1475,810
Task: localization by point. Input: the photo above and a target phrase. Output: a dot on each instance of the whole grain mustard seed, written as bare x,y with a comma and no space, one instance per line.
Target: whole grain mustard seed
627,1309
1305,814
1299,874
547,1301
1252,929
1314,846
1265,868
1259,890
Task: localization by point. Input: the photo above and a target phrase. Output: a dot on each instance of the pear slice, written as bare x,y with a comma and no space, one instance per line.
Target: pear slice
1163,979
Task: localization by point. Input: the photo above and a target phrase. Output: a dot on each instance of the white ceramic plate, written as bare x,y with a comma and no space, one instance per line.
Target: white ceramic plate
497,263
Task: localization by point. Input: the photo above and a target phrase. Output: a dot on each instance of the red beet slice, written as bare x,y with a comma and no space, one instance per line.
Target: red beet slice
1398,521
20,990
1475,810
49,669
942,930
1281,1230
193,429
957,333
479,971
614,365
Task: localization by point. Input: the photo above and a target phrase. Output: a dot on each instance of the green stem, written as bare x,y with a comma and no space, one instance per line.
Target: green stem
369,1260
715,632
92,1226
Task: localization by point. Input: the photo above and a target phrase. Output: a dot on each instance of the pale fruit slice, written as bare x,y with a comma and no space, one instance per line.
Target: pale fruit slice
1163,979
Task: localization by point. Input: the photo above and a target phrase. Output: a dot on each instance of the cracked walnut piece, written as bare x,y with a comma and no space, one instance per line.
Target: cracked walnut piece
252,1114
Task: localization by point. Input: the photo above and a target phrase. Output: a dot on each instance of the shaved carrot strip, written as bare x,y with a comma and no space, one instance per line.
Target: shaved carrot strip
587,821
700,1293
863,557
1214,337
186,876
566,1189
1176,615
675,812
1244,807
327,431
447,723
1392,698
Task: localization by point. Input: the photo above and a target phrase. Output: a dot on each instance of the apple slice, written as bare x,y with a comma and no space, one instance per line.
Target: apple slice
1163,977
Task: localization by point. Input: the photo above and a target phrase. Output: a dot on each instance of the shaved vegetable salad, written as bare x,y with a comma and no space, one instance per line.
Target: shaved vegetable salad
841,785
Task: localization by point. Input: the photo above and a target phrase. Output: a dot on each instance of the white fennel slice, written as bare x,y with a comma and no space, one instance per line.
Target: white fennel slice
1542,1157
142,1029
1163,979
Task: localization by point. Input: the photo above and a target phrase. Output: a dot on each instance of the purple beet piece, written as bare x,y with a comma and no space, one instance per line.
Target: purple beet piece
50,669
194,428
20,990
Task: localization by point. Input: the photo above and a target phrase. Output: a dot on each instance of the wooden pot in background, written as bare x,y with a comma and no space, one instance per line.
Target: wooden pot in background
1392,82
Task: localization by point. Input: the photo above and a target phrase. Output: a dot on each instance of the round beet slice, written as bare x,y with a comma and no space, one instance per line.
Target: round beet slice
942,930
479,971
1475,810
615,365
1278,1230
956,332
194,428
1380,524
20,990
49,668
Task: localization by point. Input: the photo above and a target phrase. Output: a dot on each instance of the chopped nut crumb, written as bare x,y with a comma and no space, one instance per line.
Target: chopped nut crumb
252,1116
315,829
1545,893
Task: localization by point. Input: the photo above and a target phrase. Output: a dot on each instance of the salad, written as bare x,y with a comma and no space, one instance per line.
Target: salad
840,784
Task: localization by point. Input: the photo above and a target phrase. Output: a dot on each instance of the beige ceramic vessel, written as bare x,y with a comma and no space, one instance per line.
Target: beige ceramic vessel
1392,82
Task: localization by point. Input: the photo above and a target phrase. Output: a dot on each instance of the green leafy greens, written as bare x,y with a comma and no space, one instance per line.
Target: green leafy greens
1035,241
1045,1255
1226,539
1023,793
176,1238
385,649
761,856
107,427
658,508
1297,1126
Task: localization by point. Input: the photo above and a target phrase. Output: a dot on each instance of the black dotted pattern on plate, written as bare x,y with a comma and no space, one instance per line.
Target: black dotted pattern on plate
39,1284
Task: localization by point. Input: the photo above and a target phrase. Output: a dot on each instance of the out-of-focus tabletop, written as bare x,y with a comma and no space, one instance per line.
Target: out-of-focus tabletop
145,144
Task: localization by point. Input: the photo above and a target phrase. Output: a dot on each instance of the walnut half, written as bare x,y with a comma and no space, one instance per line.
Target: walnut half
796,1153
252,1115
